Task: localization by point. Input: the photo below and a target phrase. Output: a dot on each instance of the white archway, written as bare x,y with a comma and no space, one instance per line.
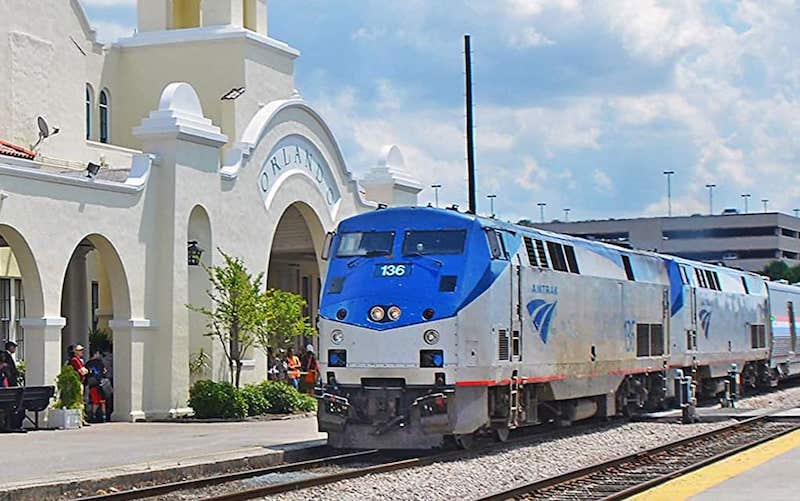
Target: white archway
23,304
96,306
201,347
294,263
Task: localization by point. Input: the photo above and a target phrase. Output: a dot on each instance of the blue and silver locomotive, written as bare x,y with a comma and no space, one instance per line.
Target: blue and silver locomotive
438,325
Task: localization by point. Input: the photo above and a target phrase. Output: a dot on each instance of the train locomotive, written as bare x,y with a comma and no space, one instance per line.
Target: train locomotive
439,326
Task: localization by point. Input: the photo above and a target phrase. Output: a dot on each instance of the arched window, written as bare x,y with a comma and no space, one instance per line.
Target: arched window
89,105
104,109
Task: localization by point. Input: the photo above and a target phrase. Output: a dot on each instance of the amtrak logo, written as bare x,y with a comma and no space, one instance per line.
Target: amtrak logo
705,320
542,314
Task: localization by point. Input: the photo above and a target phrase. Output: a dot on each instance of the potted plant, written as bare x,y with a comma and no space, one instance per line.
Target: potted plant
67,411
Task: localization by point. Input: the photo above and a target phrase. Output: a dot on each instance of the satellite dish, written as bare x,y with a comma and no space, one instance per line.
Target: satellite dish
44,130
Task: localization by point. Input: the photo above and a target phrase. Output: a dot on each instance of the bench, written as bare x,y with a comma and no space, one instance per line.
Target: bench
28,398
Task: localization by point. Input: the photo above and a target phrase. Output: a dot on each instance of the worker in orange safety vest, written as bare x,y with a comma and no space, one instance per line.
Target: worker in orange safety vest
293,362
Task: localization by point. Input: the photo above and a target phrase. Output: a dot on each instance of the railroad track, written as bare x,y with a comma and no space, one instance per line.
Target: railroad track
526,436
625,476
200,483
381,462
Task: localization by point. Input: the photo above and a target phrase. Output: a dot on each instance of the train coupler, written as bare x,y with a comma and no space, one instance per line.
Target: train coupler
433,411
335,410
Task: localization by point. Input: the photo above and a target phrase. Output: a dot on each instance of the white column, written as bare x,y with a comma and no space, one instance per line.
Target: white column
75,303
43,357
130,347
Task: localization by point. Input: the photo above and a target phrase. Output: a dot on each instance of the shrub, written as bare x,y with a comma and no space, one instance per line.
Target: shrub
211,399
257,403
307,403
69,389
282,398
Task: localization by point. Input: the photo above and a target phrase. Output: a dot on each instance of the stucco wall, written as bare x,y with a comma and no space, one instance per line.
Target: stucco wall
48,55
139,228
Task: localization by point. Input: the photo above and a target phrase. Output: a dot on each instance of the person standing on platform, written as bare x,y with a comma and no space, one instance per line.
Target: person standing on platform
9,375
96,372
279,368
293,364
311,370
76,361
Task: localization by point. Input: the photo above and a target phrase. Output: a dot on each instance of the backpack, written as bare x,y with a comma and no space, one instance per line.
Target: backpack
93,379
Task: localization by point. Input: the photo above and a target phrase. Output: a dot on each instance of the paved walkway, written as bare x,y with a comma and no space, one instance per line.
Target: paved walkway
767,471
773,479
111,449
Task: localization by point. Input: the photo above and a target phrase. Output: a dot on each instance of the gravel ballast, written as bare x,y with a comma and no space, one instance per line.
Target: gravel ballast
490,472
778,399
484,474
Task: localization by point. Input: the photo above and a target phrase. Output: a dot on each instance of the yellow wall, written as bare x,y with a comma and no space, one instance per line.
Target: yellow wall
8,263
250,15
185,13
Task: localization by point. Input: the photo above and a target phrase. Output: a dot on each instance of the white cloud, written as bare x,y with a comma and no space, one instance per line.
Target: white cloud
719,103
602,181
534,8
368,33
529,38
108,31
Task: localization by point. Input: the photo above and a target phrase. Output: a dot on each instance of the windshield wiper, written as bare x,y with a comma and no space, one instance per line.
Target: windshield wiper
369,253
419,254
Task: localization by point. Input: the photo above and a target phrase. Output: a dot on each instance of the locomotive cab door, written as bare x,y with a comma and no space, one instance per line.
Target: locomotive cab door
516,308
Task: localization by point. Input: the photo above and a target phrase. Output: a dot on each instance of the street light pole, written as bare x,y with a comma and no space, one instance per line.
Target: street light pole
541,210
745,196
436,193
491,203
711,198
764,201
566,215
669,174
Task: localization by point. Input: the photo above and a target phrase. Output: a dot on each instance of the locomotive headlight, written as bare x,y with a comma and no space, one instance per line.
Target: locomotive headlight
431,336
376,313
337,336
394,313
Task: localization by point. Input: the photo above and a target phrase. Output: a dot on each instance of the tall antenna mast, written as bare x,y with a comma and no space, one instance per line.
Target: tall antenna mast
470,137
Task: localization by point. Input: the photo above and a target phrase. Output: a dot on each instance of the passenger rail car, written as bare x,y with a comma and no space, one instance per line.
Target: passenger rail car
436,324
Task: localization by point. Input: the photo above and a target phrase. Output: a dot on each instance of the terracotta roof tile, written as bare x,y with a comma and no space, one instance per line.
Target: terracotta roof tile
13,150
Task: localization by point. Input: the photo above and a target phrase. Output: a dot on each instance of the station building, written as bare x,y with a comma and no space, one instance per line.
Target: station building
746,241
190,133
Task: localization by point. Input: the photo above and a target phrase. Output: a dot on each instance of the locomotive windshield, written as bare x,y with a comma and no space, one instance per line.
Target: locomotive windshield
434,242
372,243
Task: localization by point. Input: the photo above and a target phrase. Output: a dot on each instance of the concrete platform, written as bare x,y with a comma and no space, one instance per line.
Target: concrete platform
775,479
719,414
767,471
141,451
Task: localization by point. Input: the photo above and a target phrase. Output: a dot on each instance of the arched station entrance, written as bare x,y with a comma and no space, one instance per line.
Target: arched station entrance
294,263
94,294
20,297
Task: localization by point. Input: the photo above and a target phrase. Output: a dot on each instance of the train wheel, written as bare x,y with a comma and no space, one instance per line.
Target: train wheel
465,441
501,434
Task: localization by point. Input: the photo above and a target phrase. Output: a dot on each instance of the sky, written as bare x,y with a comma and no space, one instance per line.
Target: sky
578,104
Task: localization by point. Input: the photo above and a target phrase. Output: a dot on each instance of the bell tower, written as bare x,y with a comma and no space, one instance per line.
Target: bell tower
159,15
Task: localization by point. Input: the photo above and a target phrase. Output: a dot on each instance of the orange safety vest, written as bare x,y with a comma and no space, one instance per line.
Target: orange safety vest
311,370
294,367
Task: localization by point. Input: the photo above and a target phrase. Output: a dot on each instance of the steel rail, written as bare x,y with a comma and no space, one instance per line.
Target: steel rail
199,483
424,460
701,464
614,466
